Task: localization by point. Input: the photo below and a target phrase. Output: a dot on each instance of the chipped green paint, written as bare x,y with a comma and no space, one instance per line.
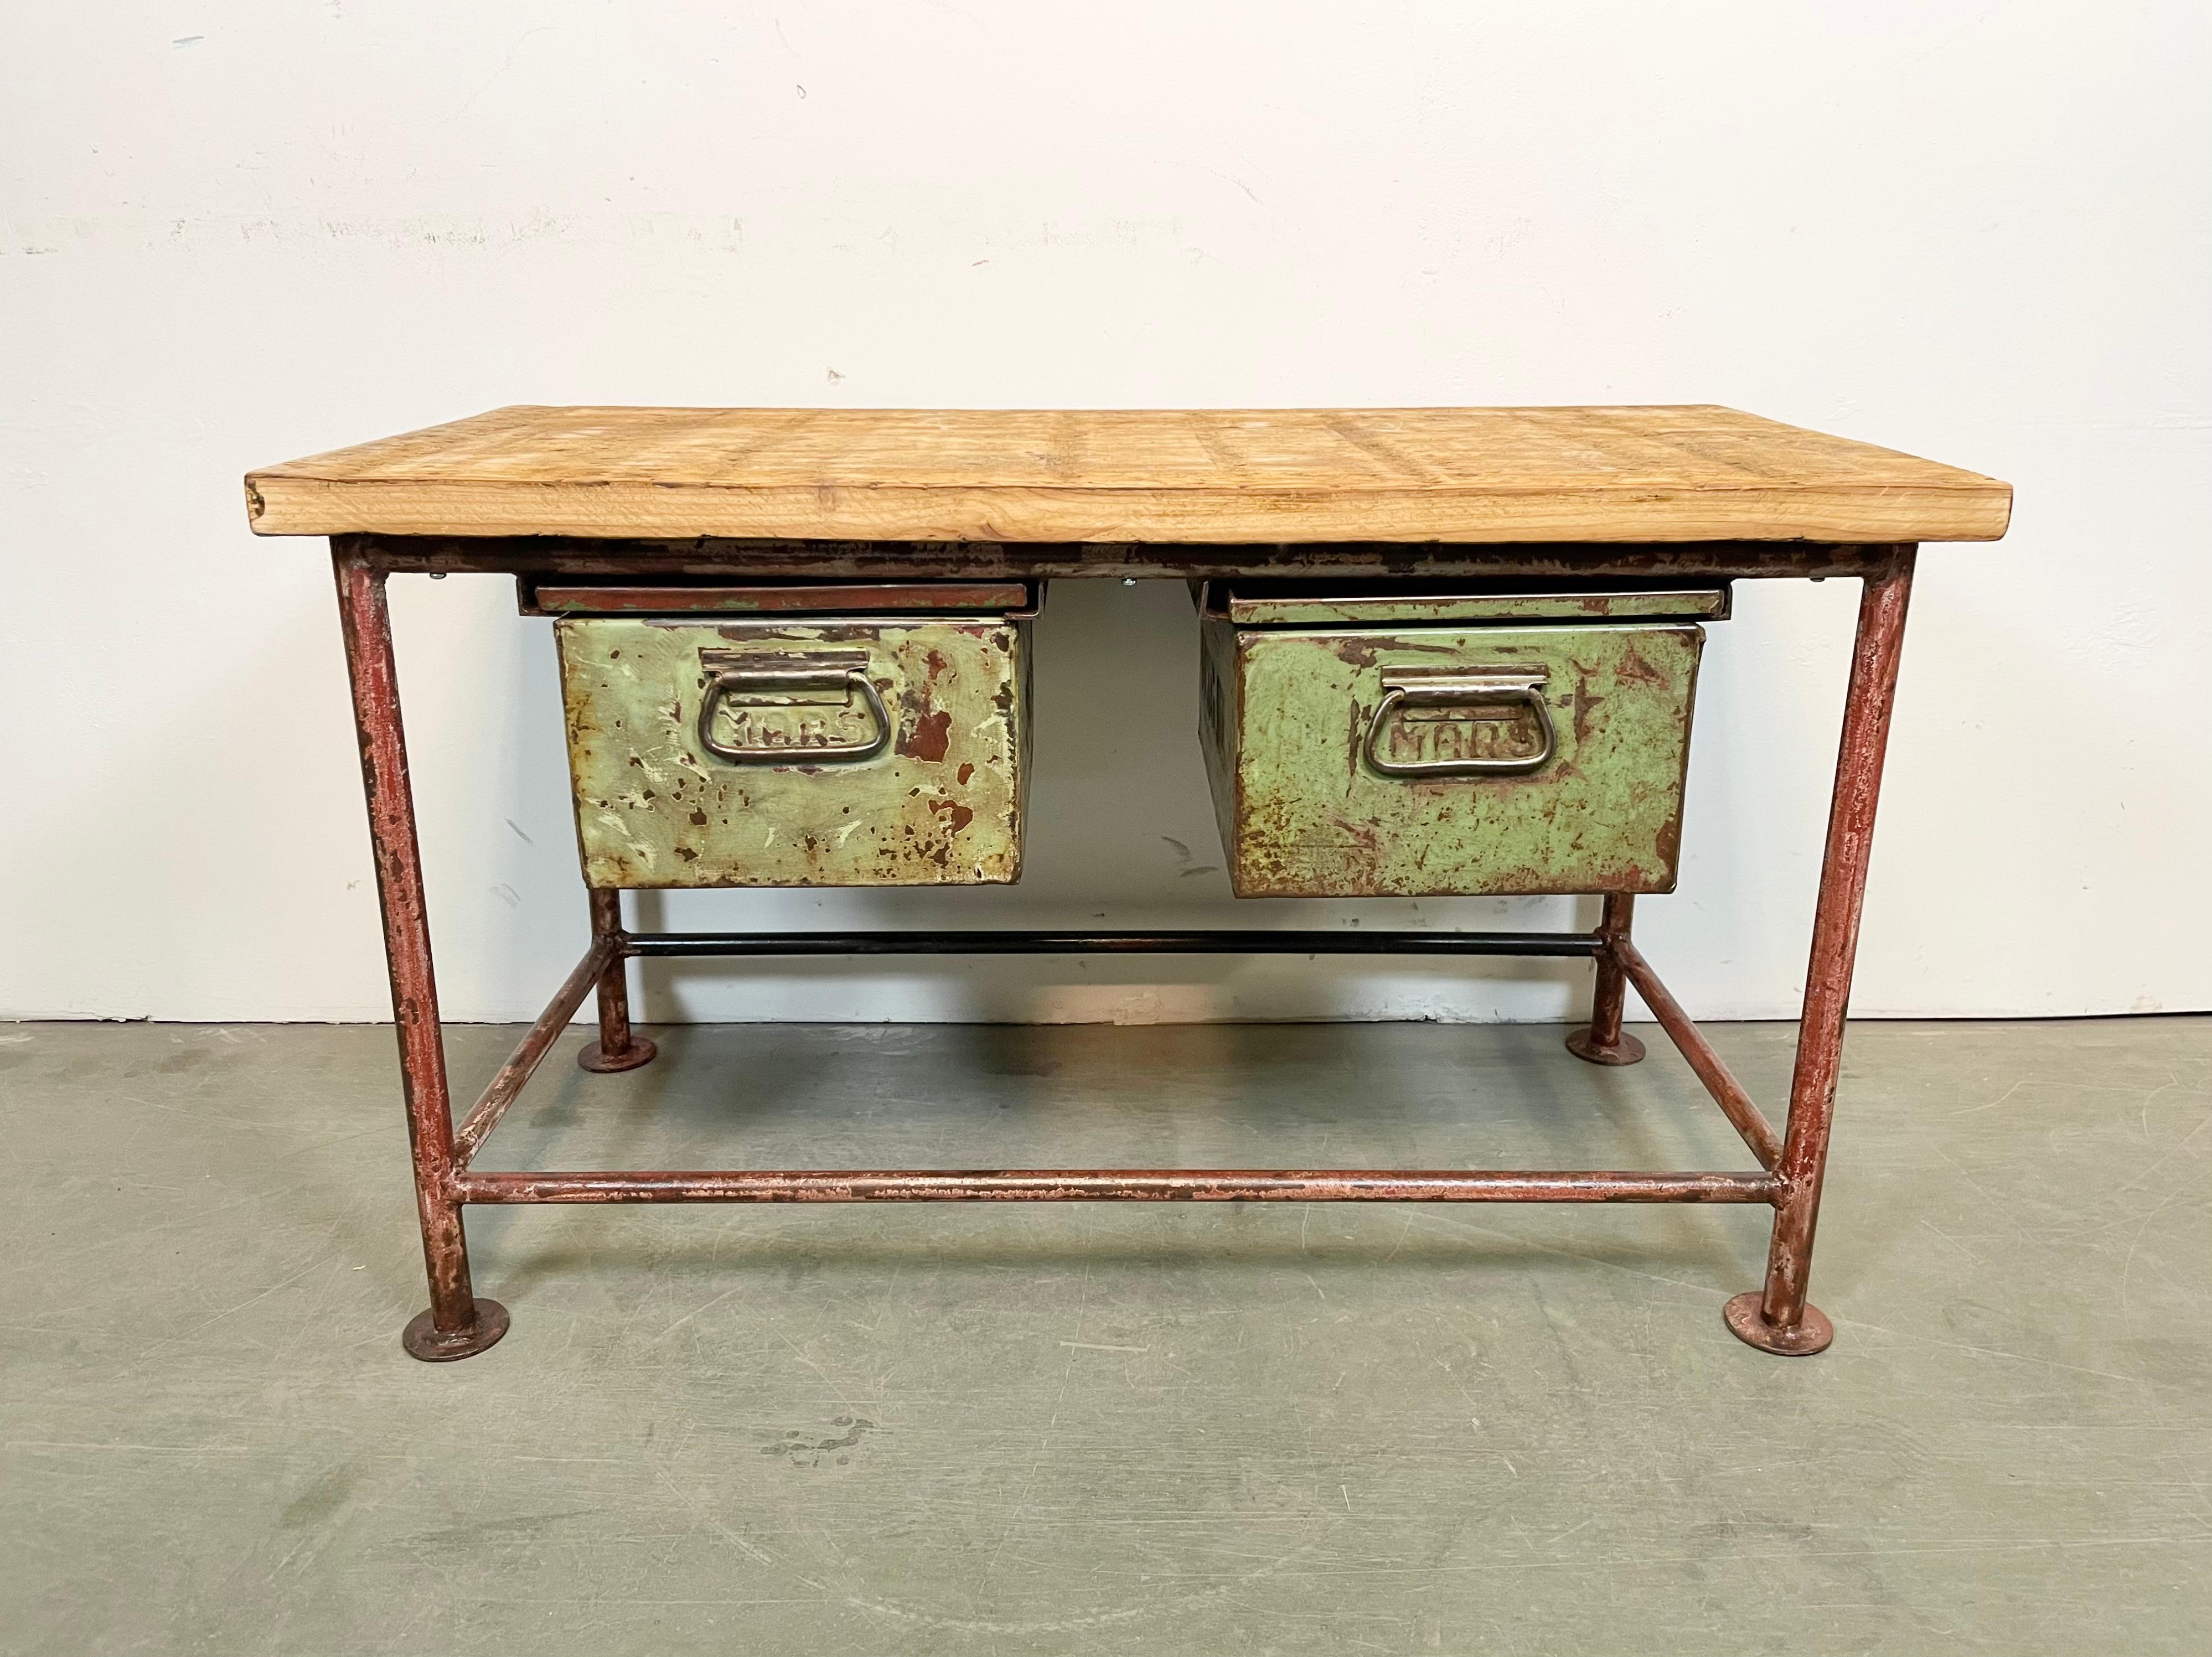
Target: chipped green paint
941,804
1285,715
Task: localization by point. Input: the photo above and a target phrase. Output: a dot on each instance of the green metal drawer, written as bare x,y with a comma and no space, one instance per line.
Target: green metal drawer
798,751
1369,758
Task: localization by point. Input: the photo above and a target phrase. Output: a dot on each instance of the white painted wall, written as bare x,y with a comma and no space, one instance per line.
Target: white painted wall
234,234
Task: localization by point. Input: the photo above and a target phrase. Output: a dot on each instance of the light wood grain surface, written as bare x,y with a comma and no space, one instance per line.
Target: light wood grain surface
1226,475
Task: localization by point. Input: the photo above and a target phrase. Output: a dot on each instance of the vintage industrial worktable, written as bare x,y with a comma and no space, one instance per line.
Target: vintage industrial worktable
1625,494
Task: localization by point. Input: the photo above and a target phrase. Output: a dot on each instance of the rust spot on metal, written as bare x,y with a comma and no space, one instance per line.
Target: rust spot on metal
1634,669
957,816
928,737
1583,703
966,771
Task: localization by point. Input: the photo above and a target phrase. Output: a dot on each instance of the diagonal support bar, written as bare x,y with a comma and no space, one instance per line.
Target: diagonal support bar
516,1071
1728,1093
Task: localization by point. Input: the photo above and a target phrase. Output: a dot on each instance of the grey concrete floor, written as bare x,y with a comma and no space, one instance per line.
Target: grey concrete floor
987,1429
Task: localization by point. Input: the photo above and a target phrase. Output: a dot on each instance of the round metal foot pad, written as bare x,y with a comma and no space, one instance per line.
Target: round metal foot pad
425,1340
640,1051
1628,1052
1748,1323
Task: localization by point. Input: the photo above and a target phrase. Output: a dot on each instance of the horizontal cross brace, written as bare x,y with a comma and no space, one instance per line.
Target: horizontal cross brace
978,941
1127,1184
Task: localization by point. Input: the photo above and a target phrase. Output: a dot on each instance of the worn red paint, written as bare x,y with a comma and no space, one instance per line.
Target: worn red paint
1123,1185
457,1325
1604,1043
1784,1322
1728,1093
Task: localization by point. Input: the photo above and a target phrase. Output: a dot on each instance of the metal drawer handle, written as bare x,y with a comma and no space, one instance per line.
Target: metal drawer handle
849,680
1426,689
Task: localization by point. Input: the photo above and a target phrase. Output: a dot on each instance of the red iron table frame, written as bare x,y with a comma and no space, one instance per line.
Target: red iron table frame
1776,1318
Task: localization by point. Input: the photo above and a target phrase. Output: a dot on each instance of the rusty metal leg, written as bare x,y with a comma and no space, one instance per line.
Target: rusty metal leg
1778,1319
618,1048
457,1325
1605,1042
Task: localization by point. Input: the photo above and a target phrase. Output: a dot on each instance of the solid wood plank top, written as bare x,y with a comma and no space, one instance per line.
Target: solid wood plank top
1466,476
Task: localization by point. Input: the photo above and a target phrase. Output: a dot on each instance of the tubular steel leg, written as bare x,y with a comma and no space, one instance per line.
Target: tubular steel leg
1605,1042
1778,1319
457,1325
618,1048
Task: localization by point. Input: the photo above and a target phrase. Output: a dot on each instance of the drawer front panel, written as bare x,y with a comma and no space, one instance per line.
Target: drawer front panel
1420,761
797,753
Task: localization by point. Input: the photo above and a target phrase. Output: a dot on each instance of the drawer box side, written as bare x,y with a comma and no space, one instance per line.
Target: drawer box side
655,709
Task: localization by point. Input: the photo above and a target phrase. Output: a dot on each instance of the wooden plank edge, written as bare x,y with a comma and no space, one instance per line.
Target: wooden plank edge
1979,511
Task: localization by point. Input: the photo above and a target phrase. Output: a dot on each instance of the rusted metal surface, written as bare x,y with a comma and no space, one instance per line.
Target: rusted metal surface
1743,1114
1211,941
422,1338
1119,1185
1603,1041
652,727
569,557
1784,1322
619,1047
1777,1319
1746,1317
878,598
1290,719
366,620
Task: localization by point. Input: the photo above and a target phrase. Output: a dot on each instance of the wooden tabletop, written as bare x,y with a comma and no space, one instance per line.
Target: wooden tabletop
1468,476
